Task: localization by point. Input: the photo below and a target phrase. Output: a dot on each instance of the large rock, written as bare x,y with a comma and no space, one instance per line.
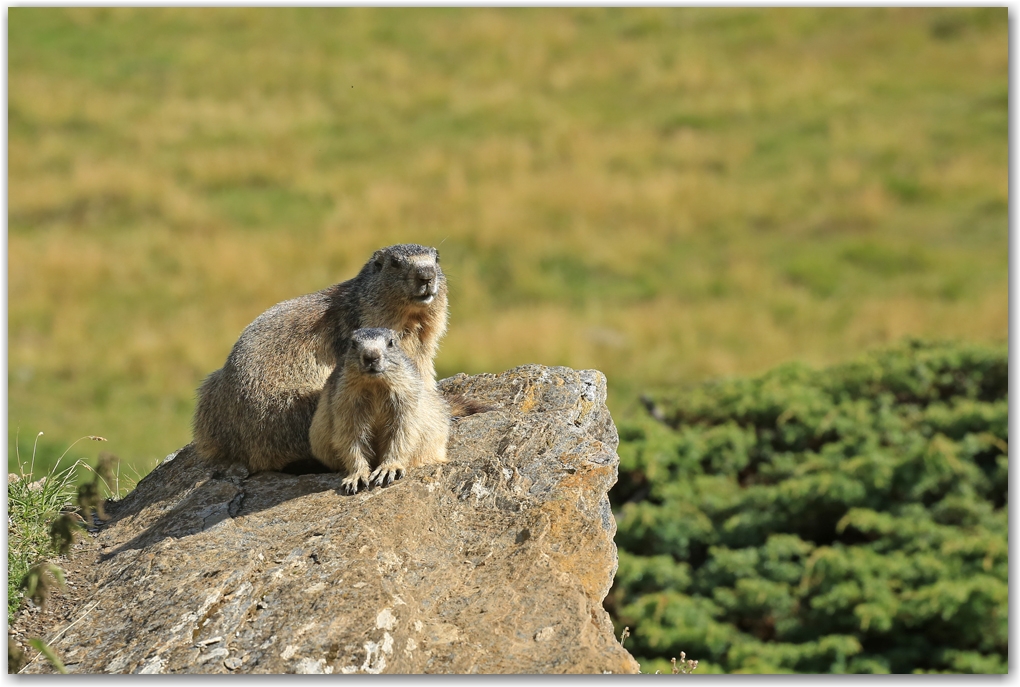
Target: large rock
496,562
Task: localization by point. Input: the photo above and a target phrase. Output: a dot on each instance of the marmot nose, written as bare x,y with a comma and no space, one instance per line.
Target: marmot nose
426,274
371,358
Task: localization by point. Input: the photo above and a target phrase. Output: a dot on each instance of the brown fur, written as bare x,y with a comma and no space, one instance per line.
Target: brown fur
462,406
257,409
376,411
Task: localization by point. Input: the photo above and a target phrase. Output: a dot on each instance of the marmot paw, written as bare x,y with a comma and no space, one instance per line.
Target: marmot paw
386,474
351,483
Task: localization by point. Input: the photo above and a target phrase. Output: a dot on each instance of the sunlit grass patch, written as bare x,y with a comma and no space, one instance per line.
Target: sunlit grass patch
31,505
665,194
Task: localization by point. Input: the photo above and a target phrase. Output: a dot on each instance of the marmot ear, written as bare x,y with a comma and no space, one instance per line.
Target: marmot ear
378,260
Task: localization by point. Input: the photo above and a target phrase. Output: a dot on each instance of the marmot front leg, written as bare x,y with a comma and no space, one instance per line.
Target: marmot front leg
402,446
392,468
357,470
387,473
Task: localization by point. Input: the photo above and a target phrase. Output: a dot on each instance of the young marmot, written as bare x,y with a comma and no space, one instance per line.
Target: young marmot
377,411
257,409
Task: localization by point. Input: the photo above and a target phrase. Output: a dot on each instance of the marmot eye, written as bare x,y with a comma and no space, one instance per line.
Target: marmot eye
394,262
392,343
437,257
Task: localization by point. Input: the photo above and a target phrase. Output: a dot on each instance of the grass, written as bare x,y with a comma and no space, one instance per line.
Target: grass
36,497
31,506
667,195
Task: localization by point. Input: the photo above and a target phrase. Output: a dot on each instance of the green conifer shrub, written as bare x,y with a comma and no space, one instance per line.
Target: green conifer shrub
851,519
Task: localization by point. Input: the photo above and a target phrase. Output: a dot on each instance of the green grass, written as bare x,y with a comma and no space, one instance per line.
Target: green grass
667,195
31,507
36,496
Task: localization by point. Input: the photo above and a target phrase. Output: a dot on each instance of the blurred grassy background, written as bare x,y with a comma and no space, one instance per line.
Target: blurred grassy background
667,195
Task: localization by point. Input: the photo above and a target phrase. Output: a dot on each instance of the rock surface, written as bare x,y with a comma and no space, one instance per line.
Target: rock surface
496,562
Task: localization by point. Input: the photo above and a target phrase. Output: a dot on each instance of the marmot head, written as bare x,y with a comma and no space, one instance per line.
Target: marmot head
411,269
374,350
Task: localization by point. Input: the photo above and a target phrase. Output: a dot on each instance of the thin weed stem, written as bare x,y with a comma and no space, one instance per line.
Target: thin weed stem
35,444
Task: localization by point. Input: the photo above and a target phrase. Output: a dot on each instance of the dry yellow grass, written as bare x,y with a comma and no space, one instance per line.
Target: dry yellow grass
665,195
